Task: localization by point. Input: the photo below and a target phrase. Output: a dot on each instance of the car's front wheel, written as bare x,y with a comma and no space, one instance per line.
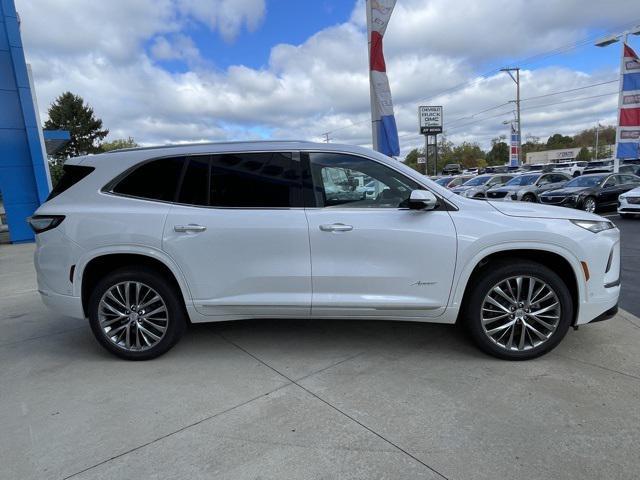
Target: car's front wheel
589,205
529,197
136,314
518,310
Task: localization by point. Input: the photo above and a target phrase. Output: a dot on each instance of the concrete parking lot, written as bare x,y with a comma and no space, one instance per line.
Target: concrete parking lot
310,399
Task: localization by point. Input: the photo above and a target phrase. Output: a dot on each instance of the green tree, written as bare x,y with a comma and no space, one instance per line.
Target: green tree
118,144
558,141
583,155
411,159
499,153
69,112
467,154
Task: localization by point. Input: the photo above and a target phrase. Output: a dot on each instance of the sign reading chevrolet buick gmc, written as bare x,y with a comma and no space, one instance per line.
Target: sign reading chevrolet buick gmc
430,119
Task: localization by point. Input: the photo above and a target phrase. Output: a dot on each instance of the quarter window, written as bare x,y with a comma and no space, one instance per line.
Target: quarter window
342,180
155,180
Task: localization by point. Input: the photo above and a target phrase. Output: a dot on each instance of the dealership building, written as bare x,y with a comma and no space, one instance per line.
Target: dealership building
562,155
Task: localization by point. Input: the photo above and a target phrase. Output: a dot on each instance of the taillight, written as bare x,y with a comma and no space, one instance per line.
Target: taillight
42,223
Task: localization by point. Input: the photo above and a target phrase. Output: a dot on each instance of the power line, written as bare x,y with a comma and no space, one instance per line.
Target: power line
525,61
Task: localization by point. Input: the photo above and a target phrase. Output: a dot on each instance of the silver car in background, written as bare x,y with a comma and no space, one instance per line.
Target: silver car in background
477,187
528,186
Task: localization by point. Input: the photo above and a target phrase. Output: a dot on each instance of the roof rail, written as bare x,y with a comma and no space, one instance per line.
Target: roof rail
199,144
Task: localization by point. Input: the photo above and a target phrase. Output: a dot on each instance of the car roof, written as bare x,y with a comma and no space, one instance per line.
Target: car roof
128,155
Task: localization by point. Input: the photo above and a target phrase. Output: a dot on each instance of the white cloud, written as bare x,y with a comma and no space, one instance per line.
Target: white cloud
98,50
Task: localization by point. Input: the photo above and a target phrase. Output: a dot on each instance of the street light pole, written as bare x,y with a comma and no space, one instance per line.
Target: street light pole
597,134
624,36
516,79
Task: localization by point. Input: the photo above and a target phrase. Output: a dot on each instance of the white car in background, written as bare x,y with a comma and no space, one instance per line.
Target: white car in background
144,241
629,203
575,169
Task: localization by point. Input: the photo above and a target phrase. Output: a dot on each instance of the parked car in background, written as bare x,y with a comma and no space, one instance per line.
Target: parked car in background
528,186
575,169
632,169
477,186
452,169
591,192
537,167
629,203
142,242
470,171
598,166
496,169
452,180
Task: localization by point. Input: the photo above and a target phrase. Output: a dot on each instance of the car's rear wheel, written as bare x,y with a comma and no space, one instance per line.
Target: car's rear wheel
519,310
589,204
136,314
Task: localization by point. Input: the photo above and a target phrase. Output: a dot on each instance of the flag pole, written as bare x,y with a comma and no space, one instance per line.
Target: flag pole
372,97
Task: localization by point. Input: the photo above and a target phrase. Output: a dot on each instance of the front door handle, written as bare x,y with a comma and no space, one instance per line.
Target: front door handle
192,227
336,227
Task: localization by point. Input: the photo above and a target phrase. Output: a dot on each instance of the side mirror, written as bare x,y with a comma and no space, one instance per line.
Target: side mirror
422,200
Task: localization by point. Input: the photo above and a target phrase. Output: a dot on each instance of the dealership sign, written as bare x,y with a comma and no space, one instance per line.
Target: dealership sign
430,119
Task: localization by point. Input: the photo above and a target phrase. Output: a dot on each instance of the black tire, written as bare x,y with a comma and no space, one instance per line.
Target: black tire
176,316
576,174
493,274
529,197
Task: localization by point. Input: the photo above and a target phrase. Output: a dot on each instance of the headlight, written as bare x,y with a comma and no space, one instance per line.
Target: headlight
593,225
468,193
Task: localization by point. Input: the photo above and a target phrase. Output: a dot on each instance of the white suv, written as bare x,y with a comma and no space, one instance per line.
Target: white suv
575,169
143,241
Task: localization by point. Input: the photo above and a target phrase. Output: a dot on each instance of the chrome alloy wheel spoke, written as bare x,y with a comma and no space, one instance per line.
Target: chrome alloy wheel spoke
520,313
133,316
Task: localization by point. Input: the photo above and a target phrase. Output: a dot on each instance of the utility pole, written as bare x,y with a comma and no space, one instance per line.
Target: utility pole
516,79
597,135
326,137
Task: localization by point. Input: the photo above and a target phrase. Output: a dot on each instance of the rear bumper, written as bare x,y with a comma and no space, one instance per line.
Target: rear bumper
63,304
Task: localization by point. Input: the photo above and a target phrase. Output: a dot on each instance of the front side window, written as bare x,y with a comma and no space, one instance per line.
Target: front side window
154,180
342,180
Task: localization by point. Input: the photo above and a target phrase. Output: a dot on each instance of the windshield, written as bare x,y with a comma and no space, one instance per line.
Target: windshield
600,164
444,181
585,181
523,180
481,180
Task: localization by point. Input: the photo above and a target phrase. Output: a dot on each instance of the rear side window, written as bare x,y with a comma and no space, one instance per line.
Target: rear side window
255,180
155,180
72,175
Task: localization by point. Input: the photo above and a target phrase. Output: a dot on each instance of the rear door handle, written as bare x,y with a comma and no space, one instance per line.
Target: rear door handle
336,227
192,227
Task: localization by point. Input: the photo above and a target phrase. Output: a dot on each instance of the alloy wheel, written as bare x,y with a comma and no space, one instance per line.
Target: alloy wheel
590,205
133,316
520,313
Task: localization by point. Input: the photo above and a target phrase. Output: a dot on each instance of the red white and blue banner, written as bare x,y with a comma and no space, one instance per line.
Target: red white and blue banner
628,134
386,141
514,155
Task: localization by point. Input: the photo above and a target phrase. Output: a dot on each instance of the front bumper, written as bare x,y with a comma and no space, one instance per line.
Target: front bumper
625,207
569,202
609,314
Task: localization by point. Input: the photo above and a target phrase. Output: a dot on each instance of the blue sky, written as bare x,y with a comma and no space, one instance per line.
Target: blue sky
166,71
286,21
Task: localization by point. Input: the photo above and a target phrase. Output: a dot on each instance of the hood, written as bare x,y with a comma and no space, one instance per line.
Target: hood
508,188
463,188
536,210
566,191
633,193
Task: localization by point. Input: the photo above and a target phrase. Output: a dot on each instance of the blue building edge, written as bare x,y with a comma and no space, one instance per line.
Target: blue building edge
24,174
